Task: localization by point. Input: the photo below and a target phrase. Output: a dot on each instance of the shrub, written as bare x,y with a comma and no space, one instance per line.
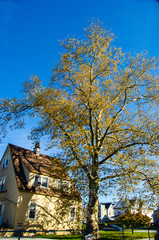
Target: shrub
134,220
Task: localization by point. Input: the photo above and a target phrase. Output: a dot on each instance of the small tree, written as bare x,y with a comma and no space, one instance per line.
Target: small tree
134,220
101,109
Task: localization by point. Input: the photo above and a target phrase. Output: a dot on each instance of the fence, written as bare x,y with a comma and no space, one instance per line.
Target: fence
63,234
41,234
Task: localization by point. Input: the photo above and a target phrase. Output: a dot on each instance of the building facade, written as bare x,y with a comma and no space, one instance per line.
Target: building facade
110,211
105,212
36,192
134,206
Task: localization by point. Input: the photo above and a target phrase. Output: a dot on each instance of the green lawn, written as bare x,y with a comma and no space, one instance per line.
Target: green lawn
110,235
67,237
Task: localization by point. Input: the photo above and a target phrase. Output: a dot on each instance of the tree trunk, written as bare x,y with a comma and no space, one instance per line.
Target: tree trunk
92,212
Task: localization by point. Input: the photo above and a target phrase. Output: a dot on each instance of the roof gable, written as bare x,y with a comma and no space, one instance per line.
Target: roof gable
107,205
41,165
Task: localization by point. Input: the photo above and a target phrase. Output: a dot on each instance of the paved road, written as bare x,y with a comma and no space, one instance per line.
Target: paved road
152,231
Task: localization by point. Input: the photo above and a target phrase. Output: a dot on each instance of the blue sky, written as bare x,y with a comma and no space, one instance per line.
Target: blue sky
30,31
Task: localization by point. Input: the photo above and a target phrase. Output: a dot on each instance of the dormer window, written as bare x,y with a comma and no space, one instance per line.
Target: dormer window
40,181
5,162
63,185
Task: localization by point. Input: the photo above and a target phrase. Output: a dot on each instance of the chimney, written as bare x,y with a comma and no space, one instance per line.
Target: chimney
37,149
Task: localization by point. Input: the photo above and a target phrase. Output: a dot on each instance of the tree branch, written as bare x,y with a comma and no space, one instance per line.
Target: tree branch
121,148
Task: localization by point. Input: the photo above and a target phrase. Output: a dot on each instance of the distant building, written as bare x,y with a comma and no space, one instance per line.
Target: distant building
134,206
156,217
105,212
109,211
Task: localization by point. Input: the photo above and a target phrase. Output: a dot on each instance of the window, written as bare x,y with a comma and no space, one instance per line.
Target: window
2,183
5,162
40,181
32,211
44,182
59,184
63,185
37,180
1,209
72,213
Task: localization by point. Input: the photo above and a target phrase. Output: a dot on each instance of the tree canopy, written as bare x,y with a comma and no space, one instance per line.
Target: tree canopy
101,108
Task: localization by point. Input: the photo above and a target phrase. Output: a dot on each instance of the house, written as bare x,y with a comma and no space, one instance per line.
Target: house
133,206
155,216
36,192
121,207
105,212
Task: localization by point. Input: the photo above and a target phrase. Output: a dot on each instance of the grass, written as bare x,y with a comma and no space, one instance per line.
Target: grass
112,235
104,235
67,237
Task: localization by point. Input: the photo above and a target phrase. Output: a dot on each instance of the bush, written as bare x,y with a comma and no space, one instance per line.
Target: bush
134,220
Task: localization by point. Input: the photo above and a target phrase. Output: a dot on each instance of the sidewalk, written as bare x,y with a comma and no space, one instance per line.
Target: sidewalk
26,238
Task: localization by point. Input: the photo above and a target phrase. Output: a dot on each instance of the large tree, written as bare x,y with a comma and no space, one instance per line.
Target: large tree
101,109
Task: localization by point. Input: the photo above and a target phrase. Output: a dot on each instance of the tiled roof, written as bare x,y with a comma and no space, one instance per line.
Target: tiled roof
42,165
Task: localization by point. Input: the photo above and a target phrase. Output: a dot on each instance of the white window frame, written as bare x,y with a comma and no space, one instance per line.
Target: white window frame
5,162
72,218
29,210
40,181
2,183
61,185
